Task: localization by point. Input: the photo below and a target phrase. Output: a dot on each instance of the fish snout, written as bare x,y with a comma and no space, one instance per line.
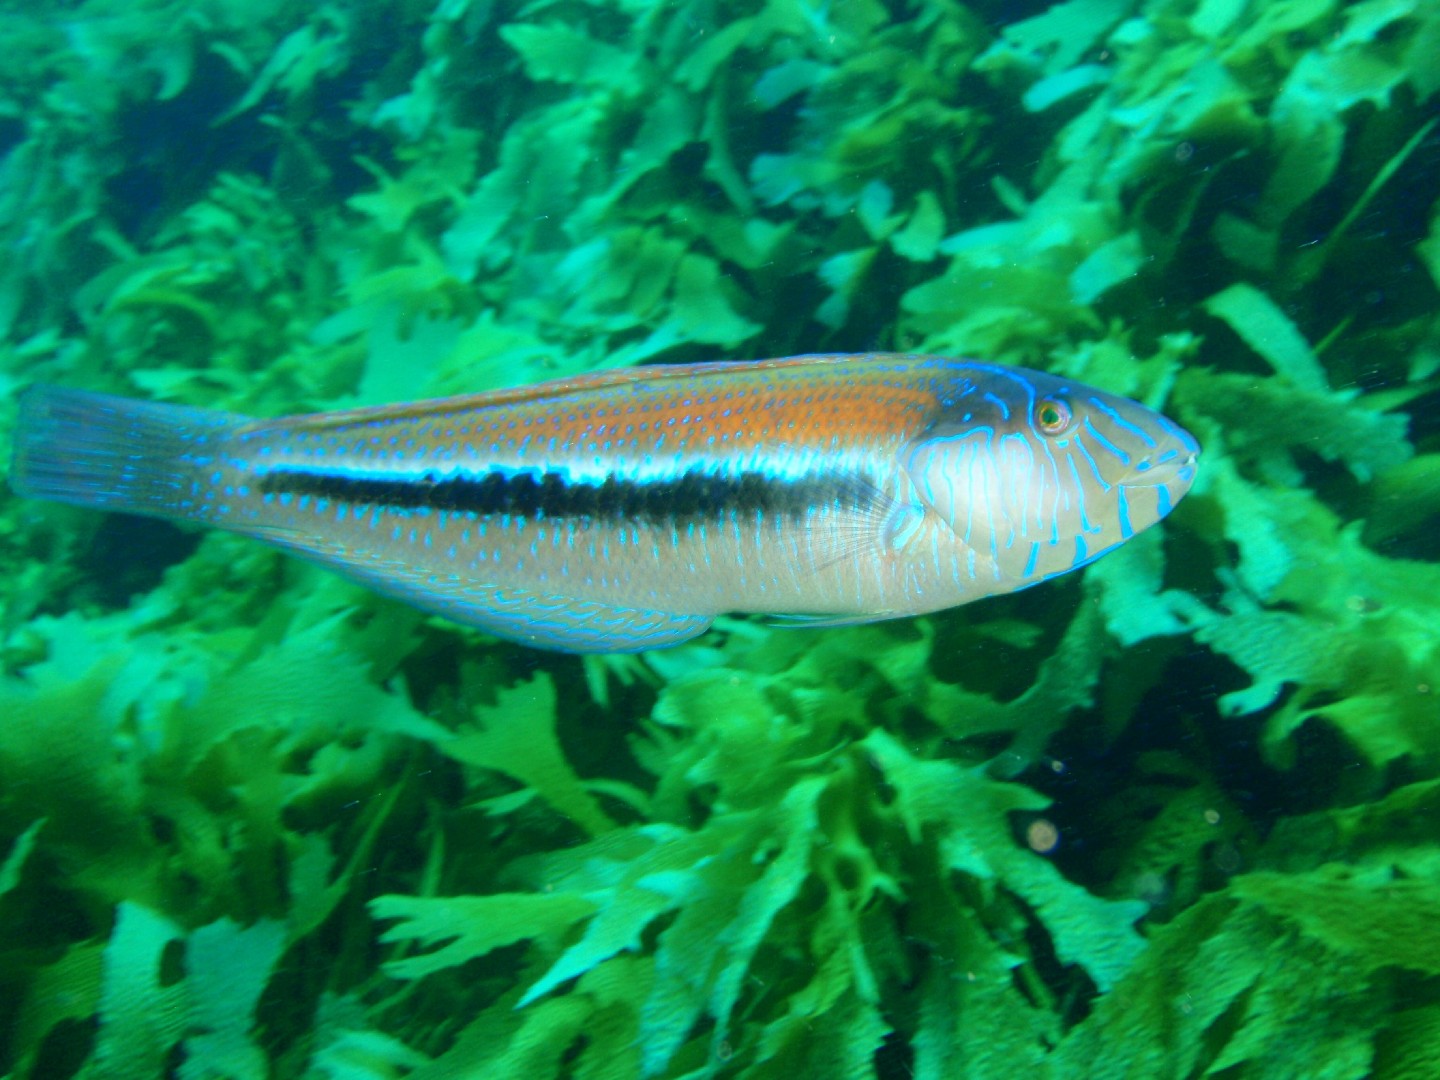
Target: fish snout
1172,461
1158,470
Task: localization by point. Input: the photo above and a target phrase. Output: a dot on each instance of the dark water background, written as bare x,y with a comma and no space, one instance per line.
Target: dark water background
1175,816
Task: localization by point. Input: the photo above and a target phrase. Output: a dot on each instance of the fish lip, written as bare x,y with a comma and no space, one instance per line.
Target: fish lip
1182,466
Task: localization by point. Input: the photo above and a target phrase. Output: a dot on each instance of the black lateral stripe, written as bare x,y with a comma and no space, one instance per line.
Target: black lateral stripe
693,496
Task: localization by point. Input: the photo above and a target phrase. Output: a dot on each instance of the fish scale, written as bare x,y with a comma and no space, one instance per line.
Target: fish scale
735,405
625,509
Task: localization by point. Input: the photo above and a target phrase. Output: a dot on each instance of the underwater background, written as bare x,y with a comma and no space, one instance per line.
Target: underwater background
1175,816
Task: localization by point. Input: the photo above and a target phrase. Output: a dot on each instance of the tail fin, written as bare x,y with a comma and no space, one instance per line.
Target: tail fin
113,453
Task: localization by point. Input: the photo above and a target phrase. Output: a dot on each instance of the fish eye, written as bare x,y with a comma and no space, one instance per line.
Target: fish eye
1052,416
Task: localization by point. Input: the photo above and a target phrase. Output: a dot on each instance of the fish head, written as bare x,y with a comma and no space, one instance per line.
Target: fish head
1037,475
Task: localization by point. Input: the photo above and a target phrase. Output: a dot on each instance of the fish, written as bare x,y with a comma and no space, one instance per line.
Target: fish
624,510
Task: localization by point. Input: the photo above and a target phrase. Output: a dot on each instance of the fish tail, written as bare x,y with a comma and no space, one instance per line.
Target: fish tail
114,453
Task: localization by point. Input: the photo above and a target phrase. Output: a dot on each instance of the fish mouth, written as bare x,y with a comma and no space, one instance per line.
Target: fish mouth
1164,469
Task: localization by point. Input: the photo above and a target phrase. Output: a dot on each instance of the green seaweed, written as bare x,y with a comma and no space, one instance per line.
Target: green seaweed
1175,816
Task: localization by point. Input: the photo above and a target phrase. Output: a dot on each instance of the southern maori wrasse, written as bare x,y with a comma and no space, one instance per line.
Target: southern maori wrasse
624,510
